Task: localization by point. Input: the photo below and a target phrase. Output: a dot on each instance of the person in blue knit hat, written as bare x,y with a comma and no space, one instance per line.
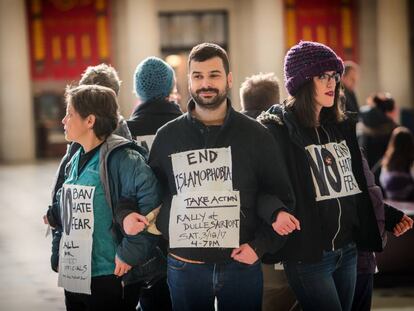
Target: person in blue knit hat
154,81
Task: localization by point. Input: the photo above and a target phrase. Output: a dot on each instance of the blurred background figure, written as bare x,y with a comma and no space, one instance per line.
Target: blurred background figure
258,93
155,86
397,174
378,120
349,81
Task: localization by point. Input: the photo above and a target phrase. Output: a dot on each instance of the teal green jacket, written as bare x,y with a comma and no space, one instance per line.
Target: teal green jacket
126,179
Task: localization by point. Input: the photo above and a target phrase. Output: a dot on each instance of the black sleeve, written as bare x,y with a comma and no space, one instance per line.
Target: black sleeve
157,165
124,207
266,240
277,193
392,217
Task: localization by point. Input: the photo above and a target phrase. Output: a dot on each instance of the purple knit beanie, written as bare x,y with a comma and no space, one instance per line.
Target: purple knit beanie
307,60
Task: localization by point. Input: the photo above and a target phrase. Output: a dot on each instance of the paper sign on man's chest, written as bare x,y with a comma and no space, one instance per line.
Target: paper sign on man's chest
206,211
203,169
205,219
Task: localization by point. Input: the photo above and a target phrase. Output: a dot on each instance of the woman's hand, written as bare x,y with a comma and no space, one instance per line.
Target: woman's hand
403,226
134,223
121,267
285,223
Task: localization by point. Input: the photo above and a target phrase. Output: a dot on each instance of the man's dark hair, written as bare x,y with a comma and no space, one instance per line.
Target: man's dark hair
259,92
350,65
97,100
384,102
303,106
102,74
206,51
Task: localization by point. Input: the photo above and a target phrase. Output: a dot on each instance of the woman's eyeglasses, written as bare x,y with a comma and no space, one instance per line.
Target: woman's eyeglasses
326,77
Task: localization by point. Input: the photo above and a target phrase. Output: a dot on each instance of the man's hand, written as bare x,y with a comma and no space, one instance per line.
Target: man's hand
134,223
45,220
121,267
285,223
403,226
244,254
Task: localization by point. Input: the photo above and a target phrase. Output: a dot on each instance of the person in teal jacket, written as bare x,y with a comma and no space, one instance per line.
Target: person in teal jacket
96,257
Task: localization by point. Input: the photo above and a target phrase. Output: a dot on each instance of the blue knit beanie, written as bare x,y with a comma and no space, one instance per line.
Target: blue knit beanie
153,79
307,60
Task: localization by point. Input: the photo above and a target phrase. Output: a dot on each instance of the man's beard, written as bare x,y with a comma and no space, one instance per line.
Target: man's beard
212,103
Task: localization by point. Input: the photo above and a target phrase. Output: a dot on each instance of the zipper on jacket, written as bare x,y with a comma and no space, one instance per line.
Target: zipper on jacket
339,224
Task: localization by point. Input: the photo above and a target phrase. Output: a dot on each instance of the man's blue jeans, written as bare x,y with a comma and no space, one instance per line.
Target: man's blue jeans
327,285
236,286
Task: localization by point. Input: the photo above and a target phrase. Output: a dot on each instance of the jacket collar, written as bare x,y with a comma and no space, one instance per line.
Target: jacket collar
160,105
279,114
229,114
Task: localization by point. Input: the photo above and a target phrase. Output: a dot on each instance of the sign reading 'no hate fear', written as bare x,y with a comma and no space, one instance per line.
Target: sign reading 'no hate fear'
75,252
331,169
206,211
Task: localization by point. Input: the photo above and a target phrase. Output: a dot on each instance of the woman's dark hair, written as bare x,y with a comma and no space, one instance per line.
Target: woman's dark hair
400,151
97,100
303,106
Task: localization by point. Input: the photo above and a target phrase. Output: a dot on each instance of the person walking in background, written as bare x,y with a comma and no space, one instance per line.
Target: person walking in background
388,219
349,81
97,260
397,174
223,184
378,120
258,93
333,206
154,82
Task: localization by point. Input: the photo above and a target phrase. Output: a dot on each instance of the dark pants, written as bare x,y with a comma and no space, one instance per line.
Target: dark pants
363,292
106,294
236,286
155,298
326,285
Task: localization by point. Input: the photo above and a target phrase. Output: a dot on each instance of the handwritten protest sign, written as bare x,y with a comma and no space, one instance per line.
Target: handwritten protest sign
331,167
75,252
203,169
205,219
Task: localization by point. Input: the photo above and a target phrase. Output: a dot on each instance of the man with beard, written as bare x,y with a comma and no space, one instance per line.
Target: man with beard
223,190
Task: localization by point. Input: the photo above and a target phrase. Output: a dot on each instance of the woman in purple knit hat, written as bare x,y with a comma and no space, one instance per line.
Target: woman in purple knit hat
333,213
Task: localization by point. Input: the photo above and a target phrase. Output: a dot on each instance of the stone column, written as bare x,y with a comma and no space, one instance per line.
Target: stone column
268,43
393,51
137,30
17,139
